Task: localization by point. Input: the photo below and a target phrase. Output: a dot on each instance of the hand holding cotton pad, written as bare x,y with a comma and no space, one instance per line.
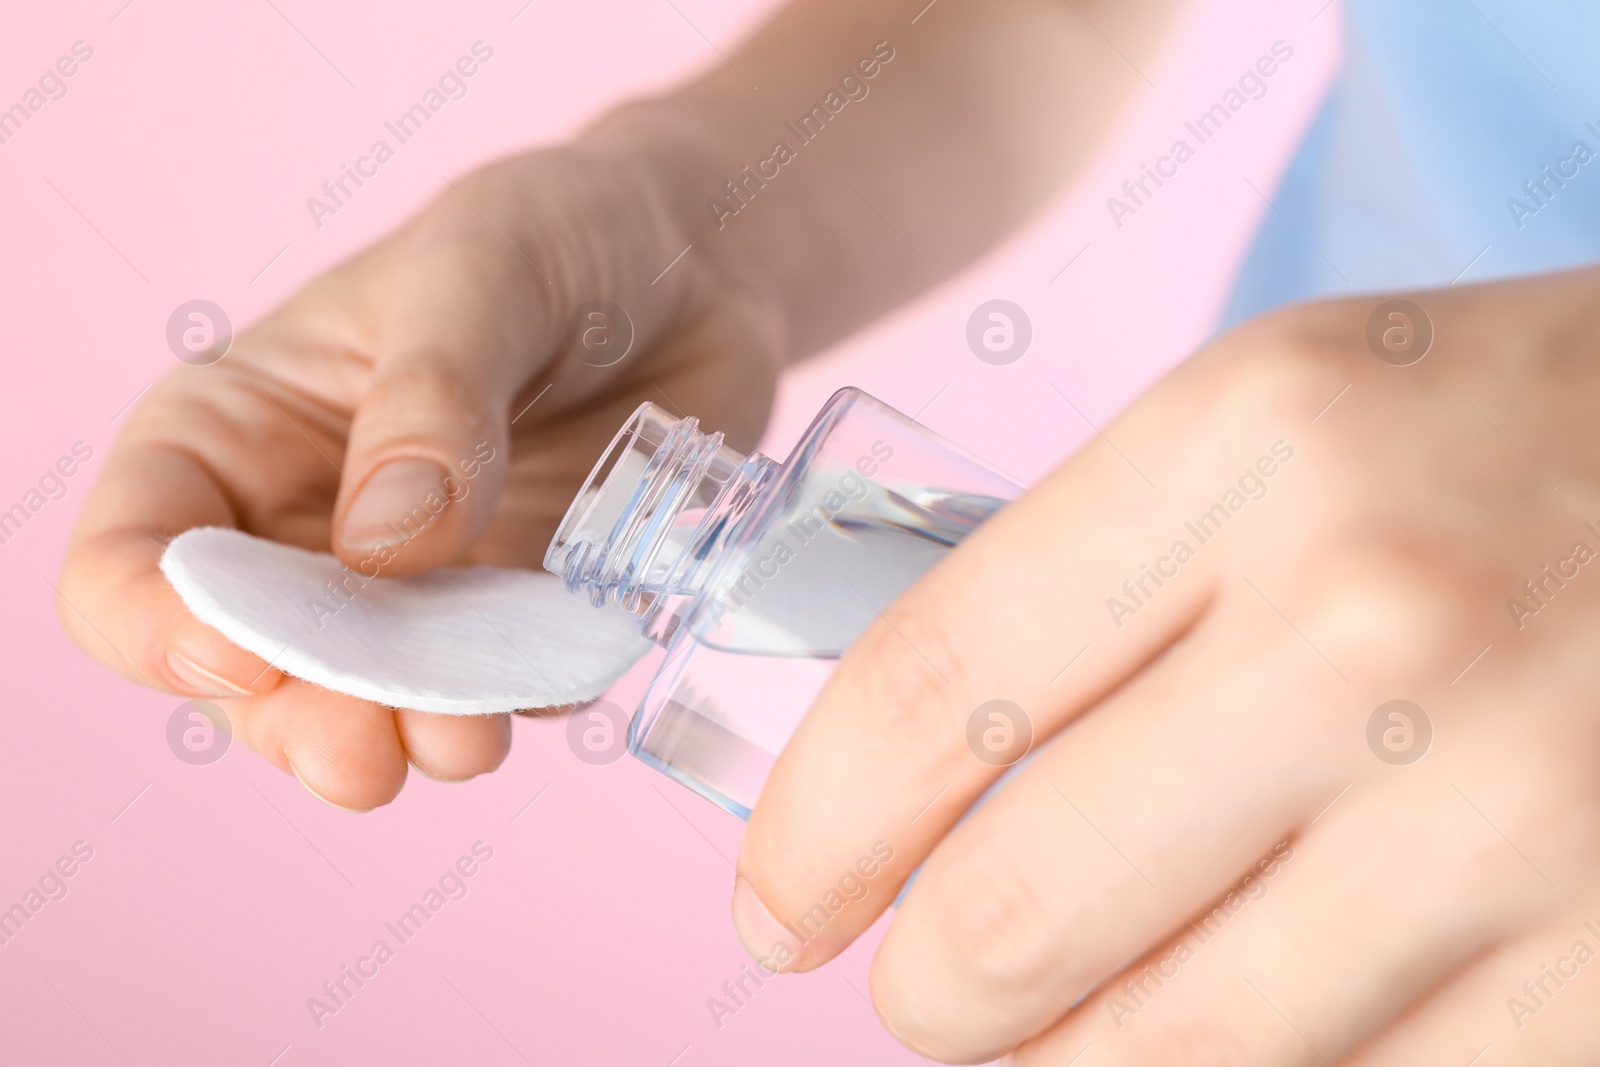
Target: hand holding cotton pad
456,641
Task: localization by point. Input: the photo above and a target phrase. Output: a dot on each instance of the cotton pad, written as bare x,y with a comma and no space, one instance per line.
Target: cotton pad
458,641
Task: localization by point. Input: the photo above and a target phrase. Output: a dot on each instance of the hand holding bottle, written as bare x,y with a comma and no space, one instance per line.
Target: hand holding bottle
1230,840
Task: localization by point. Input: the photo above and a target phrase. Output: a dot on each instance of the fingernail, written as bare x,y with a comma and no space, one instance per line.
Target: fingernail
199,680
396,503
354,811
767,940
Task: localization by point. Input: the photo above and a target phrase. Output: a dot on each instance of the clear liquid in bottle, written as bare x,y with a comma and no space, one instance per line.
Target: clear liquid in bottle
757,576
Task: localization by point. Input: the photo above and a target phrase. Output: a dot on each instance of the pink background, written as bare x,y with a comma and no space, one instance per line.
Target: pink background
220,897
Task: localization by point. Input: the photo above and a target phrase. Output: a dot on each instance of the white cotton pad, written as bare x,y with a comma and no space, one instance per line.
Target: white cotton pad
460,640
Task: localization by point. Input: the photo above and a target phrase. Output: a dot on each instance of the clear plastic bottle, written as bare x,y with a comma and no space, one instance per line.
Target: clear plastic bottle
754,575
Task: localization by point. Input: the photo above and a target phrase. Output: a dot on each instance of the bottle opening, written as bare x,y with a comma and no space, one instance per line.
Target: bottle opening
657,505
757,577
593,515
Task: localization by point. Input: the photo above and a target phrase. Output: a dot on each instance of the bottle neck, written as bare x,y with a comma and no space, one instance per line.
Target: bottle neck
656,512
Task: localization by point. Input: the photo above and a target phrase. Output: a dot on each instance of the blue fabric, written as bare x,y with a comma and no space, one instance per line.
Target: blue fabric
1410,171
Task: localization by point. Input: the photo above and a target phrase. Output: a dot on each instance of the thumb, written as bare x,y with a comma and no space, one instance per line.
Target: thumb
429,444
427,462
467,323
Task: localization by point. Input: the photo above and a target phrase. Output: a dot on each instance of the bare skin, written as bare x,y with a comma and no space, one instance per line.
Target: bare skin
439,336
1198,741
1230,710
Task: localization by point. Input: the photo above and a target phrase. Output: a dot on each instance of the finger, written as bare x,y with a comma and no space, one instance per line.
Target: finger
1531,1001
1006,616
345,751
433,420
468,323
1128,823
1360,924
113,599
453,748
713,365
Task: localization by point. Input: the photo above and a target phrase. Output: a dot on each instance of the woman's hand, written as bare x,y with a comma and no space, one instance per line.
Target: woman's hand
1229,847
443,349
344,409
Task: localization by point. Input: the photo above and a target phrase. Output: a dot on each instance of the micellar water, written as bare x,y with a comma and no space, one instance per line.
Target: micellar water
755,575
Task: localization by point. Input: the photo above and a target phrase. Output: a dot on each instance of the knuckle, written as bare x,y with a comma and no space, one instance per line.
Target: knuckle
1289,367
424,388
1307,334
1280,363
975,952
1186,1042
905,672
987,915
1387,614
